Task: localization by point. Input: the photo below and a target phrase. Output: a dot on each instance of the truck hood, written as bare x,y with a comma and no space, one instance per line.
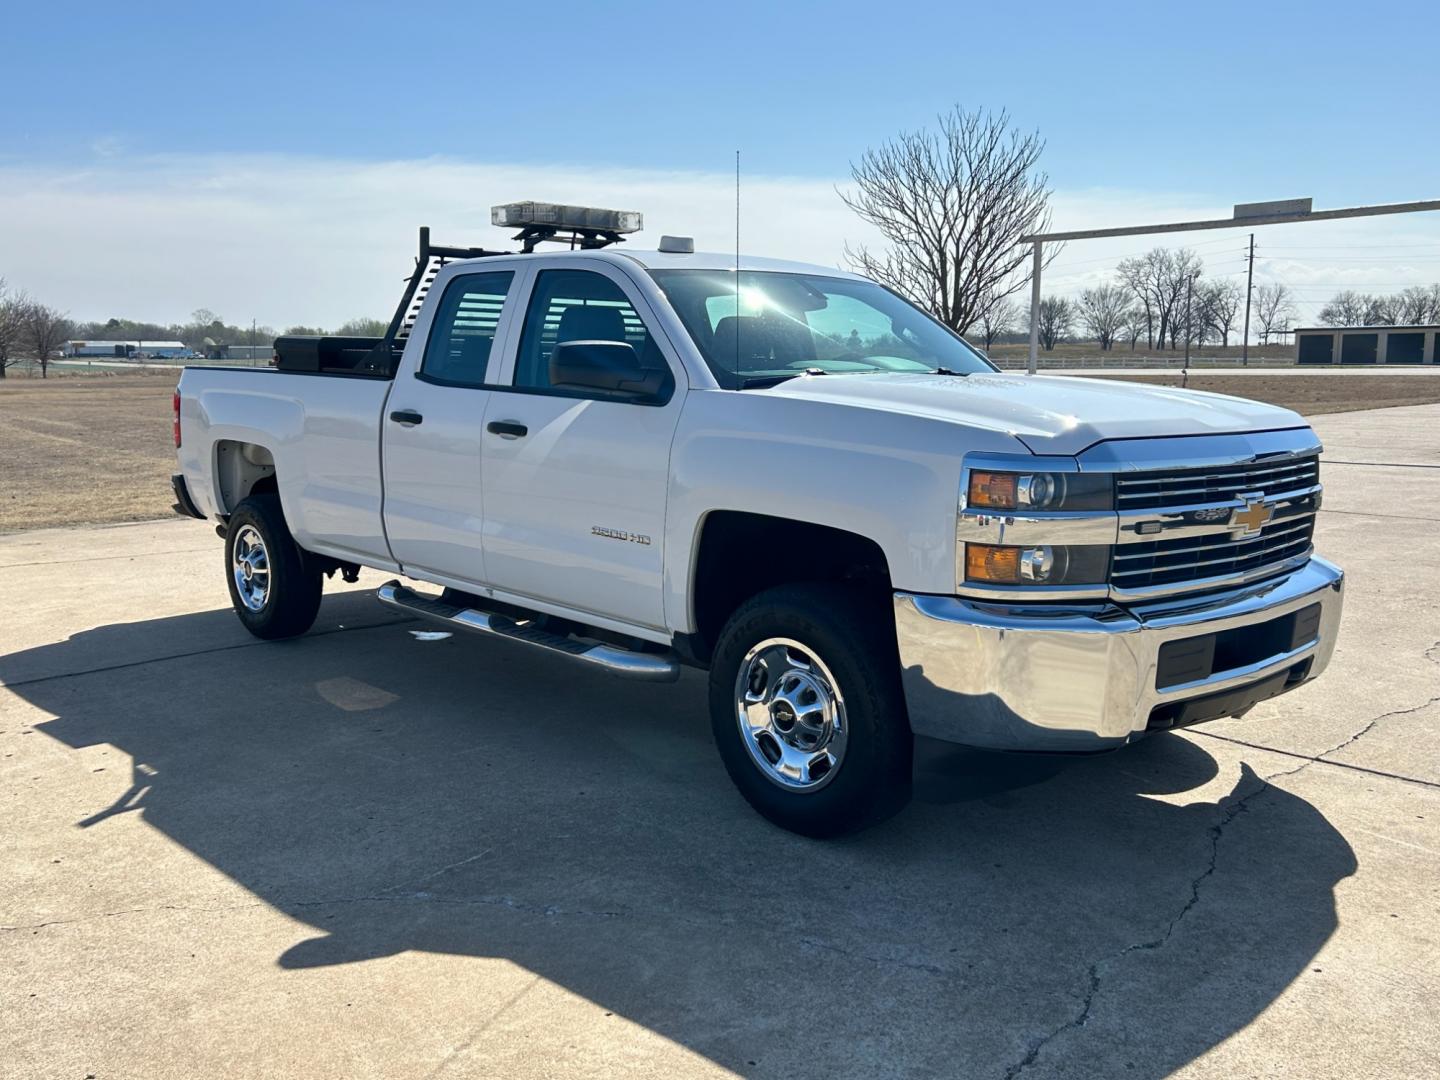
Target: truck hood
1049,414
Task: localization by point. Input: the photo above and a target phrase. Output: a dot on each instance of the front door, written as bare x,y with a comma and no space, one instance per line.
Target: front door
576,482
433,425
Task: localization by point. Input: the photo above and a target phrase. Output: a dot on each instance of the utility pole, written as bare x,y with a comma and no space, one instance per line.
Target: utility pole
1189,288
1249,284
1032,364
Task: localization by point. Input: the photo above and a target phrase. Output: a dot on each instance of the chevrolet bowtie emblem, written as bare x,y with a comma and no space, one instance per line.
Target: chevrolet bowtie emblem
1252,517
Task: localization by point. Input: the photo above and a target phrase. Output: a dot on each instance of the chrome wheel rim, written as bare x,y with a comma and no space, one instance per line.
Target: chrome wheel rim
251,567
791,715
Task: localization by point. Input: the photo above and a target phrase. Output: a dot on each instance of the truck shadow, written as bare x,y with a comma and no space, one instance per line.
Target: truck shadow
1074,915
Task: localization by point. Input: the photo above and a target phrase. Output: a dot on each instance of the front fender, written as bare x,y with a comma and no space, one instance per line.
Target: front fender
891,477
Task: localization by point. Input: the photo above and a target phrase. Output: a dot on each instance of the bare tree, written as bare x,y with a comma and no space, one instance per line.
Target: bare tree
45,332
1390,310
1159,279
952,205
1137,275
13,309
1351,308
1220,308
1181,286
998,319
1273,308
1057,315
1102,312
1419,305
1137,324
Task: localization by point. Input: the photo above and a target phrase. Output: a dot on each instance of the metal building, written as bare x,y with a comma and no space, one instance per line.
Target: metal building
126,349
1366,344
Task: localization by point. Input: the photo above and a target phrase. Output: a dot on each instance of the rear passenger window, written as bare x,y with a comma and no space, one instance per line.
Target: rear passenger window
578,305
464,328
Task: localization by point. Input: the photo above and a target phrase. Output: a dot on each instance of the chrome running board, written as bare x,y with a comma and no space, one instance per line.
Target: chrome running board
650,667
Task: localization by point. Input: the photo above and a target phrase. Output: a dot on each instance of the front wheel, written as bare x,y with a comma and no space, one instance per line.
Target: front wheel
274,588
807,709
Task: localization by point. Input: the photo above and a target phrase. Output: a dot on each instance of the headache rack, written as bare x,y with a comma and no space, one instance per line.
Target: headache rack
372,357
378,358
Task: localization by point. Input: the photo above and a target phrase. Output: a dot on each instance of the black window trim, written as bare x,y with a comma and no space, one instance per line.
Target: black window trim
440,380
533,280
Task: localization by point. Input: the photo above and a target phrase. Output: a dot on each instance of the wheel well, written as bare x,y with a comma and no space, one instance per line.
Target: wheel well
243,469
741,554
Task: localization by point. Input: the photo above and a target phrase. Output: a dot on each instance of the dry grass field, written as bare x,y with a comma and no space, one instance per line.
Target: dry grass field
97,450
85,450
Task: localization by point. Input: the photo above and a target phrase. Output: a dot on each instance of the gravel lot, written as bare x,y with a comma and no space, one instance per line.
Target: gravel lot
358,854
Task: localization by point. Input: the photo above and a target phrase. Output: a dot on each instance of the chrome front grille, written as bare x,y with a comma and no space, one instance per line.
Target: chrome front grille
1197,541
1186,487
1167,562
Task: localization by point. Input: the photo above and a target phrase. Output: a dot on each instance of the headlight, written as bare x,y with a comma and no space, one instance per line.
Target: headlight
1039,491
1043,564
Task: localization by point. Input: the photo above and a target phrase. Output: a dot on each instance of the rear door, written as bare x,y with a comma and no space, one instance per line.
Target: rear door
432,431
575,483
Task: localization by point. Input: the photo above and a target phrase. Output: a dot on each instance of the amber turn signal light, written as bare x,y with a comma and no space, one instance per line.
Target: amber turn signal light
993,563
992,490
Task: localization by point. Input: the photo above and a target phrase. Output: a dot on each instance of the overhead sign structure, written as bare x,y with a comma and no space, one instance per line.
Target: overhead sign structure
1274,208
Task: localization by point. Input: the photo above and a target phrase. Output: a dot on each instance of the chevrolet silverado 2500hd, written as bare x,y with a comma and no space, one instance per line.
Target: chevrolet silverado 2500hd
786,475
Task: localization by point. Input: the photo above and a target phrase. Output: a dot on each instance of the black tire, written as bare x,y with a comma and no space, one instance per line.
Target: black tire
851,634
292,595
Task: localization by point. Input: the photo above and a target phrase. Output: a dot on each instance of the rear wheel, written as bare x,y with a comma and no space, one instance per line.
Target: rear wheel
274,588
807,710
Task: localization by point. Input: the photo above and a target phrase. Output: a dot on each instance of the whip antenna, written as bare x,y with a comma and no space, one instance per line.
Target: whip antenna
738,324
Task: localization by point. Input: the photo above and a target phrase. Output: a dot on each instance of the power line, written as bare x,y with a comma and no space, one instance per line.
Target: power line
1137,254
1347,247
1356,258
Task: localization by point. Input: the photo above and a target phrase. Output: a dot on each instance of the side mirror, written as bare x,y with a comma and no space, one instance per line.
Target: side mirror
609,367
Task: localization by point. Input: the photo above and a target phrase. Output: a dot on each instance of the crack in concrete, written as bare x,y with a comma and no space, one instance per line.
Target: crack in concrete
69,922
908,965
106,558
1235,808
1095,973
1320,761
549,911
257,644
1430,655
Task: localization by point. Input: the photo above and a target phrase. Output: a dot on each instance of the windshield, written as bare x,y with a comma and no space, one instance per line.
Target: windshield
758,328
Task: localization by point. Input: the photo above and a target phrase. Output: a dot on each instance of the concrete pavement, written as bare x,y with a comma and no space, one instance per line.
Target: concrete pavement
360,854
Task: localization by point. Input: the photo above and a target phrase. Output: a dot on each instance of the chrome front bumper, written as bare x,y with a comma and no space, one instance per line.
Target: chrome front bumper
1055,677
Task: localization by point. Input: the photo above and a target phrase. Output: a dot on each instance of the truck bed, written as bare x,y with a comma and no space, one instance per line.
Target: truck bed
320,438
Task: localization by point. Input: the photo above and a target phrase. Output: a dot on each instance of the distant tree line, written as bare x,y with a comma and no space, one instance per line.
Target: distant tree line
1163,299
206,332
35,332
1415,306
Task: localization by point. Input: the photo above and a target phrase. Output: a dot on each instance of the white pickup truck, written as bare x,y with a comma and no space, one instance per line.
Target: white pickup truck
784,474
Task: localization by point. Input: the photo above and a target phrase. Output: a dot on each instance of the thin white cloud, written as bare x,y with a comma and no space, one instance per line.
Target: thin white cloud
289,239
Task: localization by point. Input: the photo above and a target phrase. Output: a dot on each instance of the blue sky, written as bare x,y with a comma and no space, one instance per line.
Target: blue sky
1148,108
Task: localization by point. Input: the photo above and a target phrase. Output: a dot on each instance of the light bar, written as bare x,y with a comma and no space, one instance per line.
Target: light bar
543,215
